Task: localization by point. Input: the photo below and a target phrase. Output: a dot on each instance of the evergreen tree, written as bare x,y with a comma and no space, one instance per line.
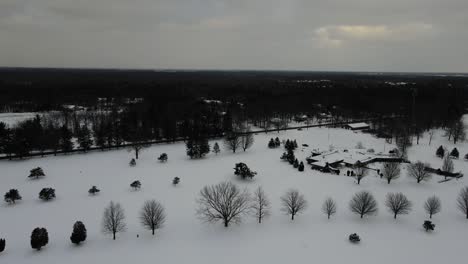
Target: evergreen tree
176,180
39,238
47,194
296,164
428,225
216,149
65,141
93,190
454,153
2,245
84,138
301,166
271,143
277,142
244,171
136,185
197,148
440,152
36,173
132,163
12,196
79,233
163,157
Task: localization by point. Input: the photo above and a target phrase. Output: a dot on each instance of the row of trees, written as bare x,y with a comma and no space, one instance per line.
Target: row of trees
392,170
225,202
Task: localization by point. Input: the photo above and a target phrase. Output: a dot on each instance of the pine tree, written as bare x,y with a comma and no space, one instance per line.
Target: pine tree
47,194
36,173
244,171
296,164
271,143
39,238
176,180
79,233
65,141
84,138
277,142
2,245
216,149
454,153
440,152
132,163
301,166
163,157
136,185
93,190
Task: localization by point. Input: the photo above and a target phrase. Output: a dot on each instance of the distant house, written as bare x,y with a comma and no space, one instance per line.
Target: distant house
358,126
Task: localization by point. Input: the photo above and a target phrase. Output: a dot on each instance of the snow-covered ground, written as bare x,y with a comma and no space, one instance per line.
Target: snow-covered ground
310,238
11,119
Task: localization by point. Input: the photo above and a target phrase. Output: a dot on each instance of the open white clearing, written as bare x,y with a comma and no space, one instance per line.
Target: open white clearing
310,238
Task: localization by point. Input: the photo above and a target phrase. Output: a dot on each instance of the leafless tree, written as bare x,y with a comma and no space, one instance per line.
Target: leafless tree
447,164
431,135
418,171
391,171
247,140
329,207
152,215
137,147
398,204
113,220
260,205
293,203
462,201
233,142
361,171
458,131
363,203
432,205
223,202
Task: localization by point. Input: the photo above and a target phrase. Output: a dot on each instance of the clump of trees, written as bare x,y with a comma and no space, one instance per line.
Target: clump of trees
79,233
363,203
197,148
175,181
163,157
94,190
244,171
113,220
418,171
247,140
223,202
290,145
462,201
329,207
36,173
289,156
391,171
260,204
39,238
398,204
293,203
47,194
12,196
432,205
152,215
136,185
274,143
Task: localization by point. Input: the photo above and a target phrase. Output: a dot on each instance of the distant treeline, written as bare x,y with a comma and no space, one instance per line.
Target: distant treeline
173,104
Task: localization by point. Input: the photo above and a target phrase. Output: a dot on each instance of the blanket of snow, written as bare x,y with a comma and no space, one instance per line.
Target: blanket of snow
310,238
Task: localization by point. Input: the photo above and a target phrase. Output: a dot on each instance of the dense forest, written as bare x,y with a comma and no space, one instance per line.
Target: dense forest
104,108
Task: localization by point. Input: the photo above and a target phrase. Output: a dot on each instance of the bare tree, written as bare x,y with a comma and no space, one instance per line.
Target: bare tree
391,171
247,140
418,171
137,147
113,220
398,204
447,164
431,135
363,203
462,201
293,203
361,171
432,205
458,131
223,202
232,142
329,207
152,215
260,205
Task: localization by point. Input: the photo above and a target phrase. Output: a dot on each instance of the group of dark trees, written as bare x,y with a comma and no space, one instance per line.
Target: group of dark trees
441,153
290,146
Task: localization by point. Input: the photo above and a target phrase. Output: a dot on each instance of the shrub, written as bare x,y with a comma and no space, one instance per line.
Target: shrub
39,238
301,166
136,185
176,180
36,173
163,157
428,225
132,163
244,171
93,190
79,233
12,196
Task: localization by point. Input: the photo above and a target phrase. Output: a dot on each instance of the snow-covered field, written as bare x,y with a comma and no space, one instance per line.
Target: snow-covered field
310,238
11,119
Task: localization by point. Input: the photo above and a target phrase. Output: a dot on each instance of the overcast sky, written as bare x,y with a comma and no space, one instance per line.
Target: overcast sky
338,35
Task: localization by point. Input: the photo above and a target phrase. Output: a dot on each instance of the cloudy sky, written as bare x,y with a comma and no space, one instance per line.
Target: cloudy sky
339,35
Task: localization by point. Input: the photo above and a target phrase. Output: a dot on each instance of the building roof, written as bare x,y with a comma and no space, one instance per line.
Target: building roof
358,125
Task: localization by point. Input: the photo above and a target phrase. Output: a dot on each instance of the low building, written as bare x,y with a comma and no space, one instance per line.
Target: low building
358,126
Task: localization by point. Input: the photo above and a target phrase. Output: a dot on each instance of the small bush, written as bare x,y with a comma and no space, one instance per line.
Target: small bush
176,180
36,173
47,194
136,185
163,157
93,190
